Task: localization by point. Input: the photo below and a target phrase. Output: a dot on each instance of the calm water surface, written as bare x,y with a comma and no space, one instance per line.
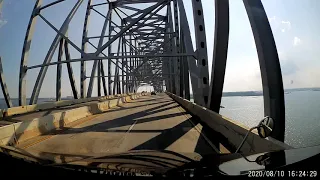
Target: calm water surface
302,115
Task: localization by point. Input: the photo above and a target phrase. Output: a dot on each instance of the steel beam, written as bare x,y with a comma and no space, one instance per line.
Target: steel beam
61,34
109,52
105,57
59,71
273,93
84,49
146,12
43,70
99,4
25,54
4,87
70,72
201,45
122,62
99,79
177,50
50,4
96,62
196,81
221,39
104,80
92,58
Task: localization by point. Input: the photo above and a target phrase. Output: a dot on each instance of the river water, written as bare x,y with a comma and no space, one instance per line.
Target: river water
302,115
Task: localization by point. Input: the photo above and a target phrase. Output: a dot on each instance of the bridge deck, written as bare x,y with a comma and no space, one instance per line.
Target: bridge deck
148,123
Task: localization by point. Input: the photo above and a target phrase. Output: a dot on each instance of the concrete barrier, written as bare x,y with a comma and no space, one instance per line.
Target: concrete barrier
45,106
15,110
231,132
18,132
50,105
6,134
113,103
63,103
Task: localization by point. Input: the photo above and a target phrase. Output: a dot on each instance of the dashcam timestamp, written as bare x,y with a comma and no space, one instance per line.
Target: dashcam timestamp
281,173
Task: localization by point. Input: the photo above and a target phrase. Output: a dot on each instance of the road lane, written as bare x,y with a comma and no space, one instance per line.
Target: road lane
148,123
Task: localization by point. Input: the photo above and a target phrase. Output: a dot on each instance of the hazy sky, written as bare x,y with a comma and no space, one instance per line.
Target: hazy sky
294,24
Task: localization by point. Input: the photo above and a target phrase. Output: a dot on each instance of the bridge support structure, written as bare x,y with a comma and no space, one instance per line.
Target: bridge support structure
149,42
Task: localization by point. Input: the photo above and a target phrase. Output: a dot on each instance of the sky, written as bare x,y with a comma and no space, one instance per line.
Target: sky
293,22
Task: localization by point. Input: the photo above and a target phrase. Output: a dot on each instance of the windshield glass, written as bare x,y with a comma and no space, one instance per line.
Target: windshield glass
151,86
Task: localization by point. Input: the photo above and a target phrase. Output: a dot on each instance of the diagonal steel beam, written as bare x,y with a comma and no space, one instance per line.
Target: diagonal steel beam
105,56
70,72
62,34
48,58
145,13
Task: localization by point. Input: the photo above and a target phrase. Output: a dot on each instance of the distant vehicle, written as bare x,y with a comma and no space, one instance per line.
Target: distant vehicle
153,93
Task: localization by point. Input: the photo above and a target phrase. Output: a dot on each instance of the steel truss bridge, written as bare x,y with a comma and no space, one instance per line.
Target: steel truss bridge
150,42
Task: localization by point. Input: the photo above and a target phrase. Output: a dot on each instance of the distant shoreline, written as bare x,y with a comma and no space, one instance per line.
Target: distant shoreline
228,94
260,93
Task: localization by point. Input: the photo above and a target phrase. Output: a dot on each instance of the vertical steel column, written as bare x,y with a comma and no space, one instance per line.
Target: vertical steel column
84,49
135,65
96,62
115,79
116,74
48,58
103,80
99,78
25,54
127,69
59,71
172,62
4,87
122,62
273,93
185,71
166,50
196,80
109,50
178,75
221,39
130,64
201,45
70,72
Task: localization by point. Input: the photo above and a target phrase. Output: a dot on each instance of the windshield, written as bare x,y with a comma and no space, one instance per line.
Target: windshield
152,86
